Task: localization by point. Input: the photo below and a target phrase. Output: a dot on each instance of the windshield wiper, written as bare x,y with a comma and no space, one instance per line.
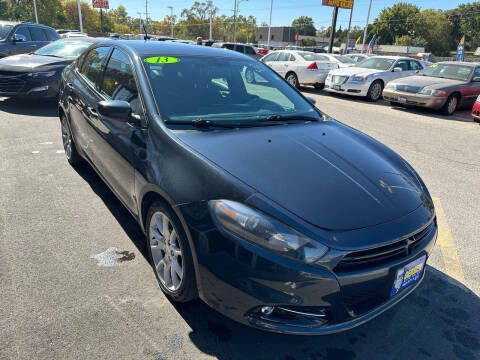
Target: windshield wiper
291,118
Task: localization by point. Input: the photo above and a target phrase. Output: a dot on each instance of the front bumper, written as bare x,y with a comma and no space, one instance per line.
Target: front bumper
237,279
348,88
23,86
432,102
311,77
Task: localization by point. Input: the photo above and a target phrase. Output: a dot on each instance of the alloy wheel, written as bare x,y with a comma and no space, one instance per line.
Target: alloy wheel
66,138
292,80
166,252
376,91
452,105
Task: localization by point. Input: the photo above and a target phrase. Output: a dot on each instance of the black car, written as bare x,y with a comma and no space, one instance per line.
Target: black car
37,75
241,48
19,38
252,199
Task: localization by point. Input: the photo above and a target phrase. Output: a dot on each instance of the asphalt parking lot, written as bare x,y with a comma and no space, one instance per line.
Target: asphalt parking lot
76,284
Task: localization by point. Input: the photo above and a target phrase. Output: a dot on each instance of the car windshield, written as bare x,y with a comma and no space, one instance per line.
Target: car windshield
344,59
448,71
4,30
309,56
376,63
221,89
64,48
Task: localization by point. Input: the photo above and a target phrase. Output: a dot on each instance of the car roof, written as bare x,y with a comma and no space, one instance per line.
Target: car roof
472,64
3,22
82,38
142,47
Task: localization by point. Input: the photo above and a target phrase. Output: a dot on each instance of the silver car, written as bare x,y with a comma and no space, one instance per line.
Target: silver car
443,86
370,76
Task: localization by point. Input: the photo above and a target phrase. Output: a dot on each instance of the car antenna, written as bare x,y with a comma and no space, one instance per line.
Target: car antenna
146,37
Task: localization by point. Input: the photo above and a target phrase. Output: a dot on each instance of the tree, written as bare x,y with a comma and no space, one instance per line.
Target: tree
434,27
308,42
90,17
395,21
304,26
465,20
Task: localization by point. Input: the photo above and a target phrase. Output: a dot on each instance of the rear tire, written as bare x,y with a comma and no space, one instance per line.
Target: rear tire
292,80
170,254
375,91
319,86
450,105
71,152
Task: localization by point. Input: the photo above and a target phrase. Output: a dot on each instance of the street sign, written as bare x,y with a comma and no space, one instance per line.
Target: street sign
344,4
100,4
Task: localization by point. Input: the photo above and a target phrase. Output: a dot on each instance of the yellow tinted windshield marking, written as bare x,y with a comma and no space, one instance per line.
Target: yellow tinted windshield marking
161,60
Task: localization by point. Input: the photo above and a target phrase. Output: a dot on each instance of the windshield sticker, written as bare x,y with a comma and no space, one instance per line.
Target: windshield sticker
162,60
434,65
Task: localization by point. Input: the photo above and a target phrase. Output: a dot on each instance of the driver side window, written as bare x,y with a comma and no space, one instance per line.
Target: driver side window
23,30
118,80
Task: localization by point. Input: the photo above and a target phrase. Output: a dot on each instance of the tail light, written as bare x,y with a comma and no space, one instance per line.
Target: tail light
313,66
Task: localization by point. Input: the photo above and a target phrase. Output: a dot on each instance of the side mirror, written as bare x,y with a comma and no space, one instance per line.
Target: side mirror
18,38
397,69
476,79
417,71
118,110
311,100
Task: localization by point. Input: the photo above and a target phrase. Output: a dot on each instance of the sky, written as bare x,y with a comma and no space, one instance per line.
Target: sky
284,11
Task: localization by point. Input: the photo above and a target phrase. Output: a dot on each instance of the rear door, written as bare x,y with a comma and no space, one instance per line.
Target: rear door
281,65
84,97
471,90
39,38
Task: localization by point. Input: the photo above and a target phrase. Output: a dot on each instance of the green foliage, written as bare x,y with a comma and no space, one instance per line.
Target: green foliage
308,42
395,21
304,26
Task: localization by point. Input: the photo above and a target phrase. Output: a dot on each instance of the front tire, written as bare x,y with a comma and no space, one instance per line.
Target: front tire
170,254
293,80
375,91
450,105
319,86
71,152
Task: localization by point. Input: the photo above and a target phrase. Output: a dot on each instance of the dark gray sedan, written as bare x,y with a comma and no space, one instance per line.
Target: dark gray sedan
444,86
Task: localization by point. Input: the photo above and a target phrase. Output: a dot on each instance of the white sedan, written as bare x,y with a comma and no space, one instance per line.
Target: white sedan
341,60
300,67
370,76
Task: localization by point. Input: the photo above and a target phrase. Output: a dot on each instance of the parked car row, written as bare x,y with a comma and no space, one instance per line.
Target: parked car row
404,81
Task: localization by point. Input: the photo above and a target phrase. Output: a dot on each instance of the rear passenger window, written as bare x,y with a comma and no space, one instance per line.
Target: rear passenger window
51,34
415,65
239,48
118,80
23,30
270,57
37,33
92,64
283,57
249,50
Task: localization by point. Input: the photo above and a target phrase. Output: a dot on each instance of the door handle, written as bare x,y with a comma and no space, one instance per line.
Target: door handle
92,111
33,45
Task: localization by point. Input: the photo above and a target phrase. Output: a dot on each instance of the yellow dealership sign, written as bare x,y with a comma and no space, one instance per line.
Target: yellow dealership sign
345,4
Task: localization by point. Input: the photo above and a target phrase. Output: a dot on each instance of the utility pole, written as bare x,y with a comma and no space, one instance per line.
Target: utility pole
270,25
146,15
235,22
366,26
101,20
171,20
210,37
334,25
349,26
139,21
35,10
80,15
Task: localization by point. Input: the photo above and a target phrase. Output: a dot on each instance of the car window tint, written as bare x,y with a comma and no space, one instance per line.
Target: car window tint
37,33
249,50
415,65
92,64
51,34
402,64
283,56
476,73
271,57
228,46
118,80
239,48
23,30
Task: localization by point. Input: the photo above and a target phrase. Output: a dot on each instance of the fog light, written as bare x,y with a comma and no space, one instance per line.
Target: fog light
267,310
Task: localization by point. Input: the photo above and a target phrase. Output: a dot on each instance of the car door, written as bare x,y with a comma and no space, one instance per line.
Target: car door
116,145
20,47
39,38
270,59
404,64
281,65
471,90
84,96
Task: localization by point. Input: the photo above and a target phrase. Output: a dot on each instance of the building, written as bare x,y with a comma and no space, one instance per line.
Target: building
279,35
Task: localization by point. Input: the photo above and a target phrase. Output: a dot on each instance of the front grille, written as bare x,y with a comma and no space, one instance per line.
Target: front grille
364,259
11,84
408,88
338,80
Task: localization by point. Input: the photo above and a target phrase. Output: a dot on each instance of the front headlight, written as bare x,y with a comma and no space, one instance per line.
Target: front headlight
359,78
432,92
42,74
264,231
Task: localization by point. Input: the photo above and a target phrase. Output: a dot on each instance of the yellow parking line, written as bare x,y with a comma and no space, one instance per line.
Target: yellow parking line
453,266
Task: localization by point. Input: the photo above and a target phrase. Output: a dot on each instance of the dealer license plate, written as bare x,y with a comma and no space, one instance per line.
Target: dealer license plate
408,275
337,87
402,99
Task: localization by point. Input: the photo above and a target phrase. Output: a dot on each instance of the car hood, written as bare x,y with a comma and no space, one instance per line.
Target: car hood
31,62
349,71
328,174
429,82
